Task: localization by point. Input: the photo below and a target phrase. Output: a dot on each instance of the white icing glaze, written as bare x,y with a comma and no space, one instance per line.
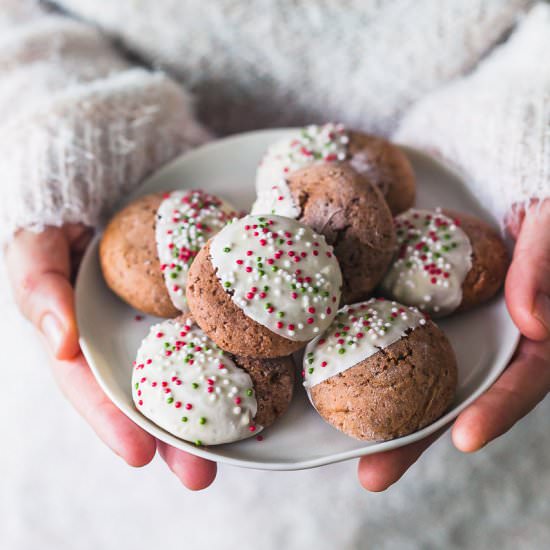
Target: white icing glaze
357,332
434,258
280,273
277,200
185,221
185,384
310,145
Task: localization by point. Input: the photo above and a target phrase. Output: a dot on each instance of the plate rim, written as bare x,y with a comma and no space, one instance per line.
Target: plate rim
441,424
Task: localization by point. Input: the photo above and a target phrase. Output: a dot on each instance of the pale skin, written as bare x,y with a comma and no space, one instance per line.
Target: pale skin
41,267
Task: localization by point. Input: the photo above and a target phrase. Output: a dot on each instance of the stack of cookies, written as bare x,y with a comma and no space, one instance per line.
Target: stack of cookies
333,268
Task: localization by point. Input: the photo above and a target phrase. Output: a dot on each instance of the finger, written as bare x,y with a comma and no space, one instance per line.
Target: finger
39,271
79,237
379,471
524,384
117,431
194,472
528,279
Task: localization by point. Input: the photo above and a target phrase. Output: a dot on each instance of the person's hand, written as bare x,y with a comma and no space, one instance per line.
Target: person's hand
41,267
523,384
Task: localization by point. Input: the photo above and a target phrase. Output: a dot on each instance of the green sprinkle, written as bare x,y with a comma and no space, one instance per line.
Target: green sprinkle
249,393
137,385
170,400
266,289
202,420
184,419
409,264
198,442
227,249
261,272
310,370
280,314
310,360
274,268
325,294
194,385
341,351
173,275
227,284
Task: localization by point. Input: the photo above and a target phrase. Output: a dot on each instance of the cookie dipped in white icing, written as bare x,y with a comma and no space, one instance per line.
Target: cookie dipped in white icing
357,332
310,145
280,273
186,385
434,257
185,221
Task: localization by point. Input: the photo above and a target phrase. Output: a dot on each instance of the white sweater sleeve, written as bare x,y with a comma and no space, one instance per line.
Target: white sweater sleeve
495,123
79,126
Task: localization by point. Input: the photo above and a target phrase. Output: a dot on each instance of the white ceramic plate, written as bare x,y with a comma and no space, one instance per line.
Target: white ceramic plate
484,339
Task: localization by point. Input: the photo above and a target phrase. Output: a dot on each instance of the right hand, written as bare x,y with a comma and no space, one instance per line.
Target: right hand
41,267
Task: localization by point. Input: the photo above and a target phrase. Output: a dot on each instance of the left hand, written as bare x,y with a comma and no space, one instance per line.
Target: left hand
523,384
41,267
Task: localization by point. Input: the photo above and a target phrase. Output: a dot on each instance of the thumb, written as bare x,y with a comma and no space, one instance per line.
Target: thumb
528,279
39,269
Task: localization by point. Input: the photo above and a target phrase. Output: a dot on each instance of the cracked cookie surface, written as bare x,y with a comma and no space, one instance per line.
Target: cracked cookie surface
381,371
353,217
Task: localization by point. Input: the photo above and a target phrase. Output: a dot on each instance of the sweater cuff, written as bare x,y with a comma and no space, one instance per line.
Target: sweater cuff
69,160
495,124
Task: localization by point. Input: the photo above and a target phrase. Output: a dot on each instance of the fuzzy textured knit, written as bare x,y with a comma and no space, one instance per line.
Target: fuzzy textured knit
81,124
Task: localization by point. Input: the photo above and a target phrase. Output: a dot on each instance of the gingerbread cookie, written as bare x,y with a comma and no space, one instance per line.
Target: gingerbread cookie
380,161
188,386
446,261
264,286
147,248
380,371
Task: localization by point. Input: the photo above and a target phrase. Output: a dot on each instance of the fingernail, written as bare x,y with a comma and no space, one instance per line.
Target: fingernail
542,310
52,330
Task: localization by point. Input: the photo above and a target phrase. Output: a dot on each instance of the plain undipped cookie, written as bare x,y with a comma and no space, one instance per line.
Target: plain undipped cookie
386,387
334,200
129,259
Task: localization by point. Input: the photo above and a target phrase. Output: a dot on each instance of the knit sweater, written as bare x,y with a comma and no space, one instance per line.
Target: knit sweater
82,121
